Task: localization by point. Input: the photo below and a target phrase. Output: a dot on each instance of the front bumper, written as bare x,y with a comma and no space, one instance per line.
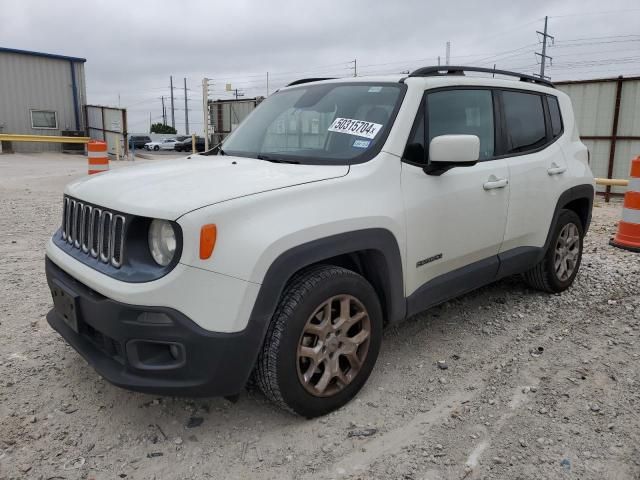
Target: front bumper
129,344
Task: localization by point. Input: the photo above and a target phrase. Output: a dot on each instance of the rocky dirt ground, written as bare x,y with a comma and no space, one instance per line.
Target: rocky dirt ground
535,386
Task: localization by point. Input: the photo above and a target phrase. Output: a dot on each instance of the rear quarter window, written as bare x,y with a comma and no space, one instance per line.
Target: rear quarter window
556,116
524,118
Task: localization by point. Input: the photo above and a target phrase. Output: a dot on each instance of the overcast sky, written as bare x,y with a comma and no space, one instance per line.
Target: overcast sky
133,46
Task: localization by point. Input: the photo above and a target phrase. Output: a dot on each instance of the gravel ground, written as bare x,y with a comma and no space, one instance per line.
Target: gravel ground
535,385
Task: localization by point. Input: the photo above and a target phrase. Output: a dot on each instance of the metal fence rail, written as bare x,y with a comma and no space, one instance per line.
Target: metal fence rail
14,137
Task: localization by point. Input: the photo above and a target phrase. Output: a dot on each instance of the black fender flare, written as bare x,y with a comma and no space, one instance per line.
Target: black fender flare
378,240
579,192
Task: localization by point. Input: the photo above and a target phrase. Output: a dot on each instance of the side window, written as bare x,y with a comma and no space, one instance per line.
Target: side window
524,119
467,112
556,117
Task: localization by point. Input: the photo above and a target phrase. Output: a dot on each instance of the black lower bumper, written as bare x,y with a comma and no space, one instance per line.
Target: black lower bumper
151,349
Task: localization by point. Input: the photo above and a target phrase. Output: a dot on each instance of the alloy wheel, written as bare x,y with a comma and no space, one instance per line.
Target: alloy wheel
333,345
567,252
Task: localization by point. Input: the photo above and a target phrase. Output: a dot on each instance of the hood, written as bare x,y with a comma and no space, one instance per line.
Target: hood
169,189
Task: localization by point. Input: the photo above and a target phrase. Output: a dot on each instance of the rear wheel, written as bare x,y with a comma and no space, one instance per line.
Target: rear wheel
322,343
559,267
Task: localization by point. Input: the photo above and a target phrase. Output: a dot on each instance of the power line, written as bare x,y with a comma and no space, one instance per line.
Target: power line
595,13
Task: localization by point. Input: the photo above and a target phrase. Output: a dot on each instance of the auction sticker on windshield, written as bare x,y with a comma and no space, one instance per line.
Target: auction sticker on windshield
359,128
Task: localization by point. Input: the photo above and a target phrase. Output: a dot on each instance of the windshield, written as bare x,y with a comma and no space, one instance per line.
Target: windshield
329,123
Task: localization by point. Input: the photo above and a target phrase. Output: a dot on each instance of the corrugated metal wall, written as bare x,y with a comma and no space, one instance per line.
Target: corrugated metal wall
41,83
108,124
226,115
594,103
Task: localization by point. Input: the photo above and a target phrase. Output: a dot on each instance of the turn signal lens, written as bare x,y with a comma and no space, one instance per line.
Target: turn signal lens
208,235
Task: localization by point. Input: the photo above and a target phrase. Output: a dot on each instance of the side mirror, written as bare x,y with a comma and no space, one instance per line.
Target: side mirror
458,150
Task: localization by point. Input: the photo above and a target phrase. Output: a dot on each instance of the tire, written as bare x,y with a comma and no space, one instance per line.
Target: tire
545,276
156,148
280,370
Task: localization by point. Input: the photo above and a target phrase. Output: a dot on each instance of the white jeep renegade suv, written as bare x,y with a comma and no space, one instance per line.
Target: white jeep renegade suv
337,207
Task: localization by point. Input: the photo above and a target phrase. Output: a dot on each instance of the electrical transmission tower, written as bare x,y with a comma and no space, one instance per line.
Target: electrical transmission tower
543,56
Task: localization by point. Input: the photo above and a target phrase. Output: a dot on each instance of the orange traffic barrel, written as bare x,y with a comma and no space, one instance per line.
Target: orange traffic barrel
628,236
98,157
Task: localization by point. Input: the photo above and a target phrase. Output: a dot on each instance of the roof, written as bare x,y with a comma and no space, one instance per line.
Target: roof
436,81
42,54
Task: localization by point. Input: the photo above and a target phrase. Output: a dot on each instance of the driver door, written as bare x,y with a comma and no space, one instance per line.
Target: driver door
455,220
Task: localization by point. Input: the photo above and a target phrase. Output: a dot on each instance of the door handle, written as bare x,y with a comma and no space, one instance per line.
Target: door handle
494,183
555,169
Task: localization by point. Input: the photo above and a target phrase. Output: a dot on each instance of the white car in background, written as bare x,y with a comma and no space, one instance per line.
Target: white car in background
166,144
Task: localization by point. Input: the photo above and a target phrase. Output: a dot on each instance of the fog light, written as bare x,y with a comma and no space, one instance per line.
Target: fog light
155,354
174,351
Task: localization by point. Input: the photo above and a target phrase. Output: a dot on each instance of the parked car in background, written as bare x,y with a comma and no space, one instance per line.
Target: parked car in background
138,141
166,144
185,145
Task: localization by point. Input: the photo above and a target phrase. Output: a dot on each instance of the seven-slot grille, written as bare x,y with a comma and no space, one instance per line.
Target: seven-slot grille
94,230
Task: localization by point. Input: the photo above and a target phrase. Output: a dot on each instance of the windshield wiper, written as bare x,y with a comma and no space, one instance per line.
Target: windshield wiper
275,160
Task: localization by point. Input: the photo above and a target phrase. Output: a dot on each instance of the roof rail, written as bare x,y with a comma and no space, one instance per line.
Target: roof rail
459,70
309,80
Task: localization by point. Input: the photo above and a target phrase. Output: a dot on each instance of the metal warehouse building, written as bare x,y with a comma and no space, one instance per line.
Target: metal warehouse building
41,94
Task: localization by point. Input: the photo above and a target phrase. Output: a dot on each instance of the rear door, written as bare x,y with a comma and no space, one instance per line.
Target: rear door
456,220
536,166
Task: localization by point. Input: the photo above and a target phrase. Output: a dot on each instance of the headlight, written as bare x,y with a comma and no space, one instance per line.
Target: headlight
162,242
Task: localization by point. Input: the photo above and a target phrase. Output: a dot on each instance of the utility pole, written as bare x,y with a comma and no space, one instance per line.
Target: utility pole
186,109
355,67
205,111
164,112
438,60
173,113
238,94
448,56
543,56
149,122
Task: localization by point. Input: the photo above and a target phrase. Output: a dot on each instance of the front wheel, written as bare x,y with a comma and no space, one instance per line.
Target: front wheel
322,343
559,267
156,148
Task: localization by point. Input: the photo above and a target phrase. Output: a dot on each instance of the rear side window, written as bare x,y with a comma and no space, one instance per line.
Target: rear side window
466,112
524,118
556,118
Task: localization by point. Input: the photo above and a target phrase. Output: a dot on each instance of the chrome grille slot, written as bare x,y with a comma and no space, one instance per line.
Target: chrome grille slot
69,222
97,232
105,236
86,222
65,211
77,226
117,240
